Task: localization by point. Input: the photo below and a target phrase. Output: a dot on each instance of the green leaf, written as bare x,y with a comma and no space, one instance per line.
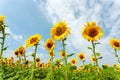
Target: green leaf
97,43
64,44
70,55
65,39
1,37
90,48
7,33
97,54
100,57
33,54
5,48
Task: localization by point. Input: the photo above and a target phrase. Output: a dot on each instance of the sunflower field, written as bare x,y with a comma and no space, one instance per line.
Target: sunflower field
61,68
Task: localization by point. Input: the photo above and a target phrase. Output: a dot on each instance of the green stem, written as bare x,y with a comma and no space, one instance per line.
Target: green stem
94,53
2,44
99,74
116,55
65,59
52,68
24,57
34,66
83,62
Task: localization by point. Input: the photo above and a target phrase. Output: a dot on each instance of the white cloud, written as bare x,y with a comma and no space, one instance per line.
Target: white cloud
77,12
17,37
14,36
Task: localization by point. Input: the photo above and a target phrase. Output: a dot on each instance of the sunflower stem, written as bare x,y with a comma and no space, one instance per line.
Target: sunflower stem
94,53
3,41
65,59
83,62
34,66
52,67
99,74
116,55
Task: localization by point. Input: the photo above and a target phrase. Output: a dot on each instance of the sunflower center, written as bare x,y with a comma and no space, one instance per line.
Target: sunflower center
92,32
63,54
73,61
81,56
94,59
16,53
59,31
49,45
26,61
37,60
21,52
51,53
33,40
116,44
40,65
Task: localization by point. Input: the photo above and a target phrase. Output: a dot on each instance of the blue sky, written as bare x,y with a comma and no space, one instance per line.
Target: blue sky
26,18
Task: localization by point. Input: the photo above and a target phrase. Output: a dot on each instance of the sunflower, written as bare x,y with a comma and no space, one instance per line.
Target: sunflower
73,61
115,66
48,65
60,30
81,56
26,62
37,59
115,43
16,52
50,44
106,65
63,54
57,61
33,40
91,31
21,50
93,59
1,18
51,53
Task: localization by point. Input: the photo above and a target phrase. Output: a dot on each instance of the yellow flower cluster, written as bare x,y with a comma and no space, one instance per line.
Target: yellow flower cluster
20,51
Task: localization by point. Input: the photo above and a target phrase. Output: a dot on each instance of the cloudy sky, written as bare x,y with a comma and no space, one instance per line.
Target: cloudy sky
28,17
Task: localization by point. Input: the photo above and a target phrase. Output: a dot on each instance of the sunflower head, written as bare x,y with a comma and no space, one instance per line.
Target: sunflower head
115,65
33,40
51,53
48,65
1,19
60,30
16,52
73,61
91,31
37,59
81,56
115,43
21,50
93,59
57,61
26,62
106,65
50,44
63,54
11,59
